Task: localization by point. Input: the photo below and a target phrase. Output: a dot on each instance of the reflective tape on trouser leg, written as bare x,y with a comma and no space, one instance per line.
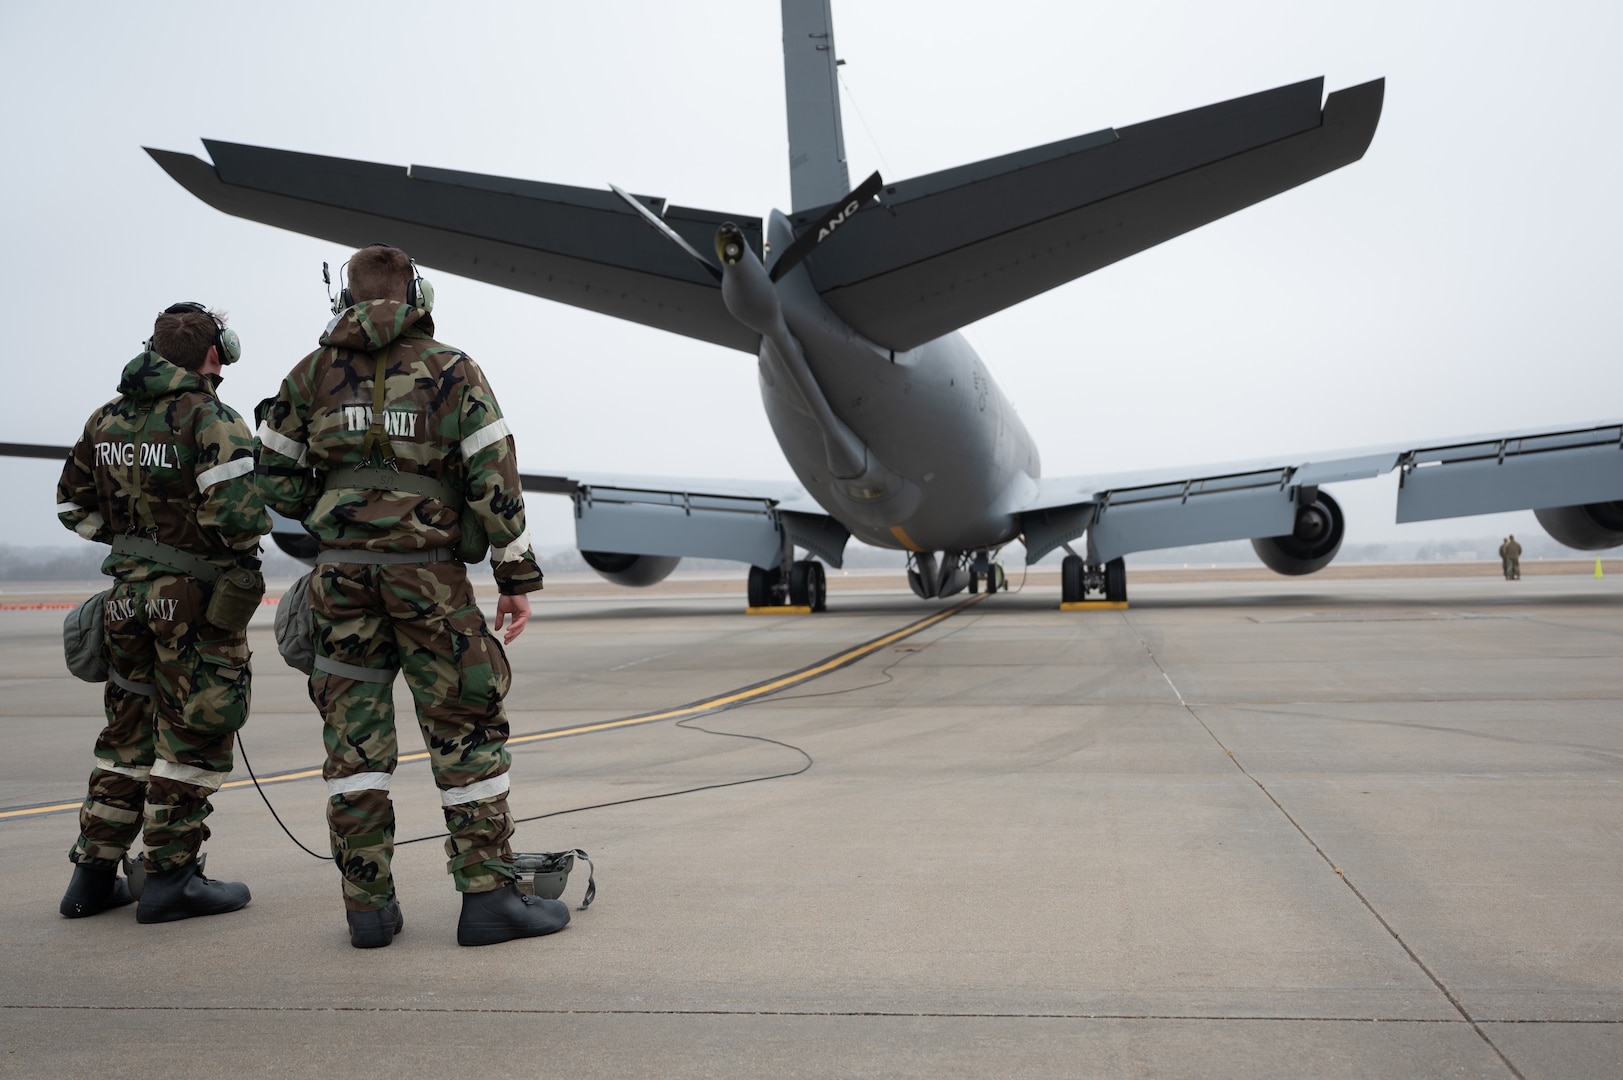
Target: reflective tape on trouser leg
134,772
174,820
484,789
110,818
366,781
206,779
361,822
481,828
117,814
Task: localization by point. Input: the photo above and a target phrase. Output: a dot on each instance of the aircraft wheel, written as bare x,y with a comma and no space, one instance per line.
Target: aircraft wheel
975,584
996,581
760,589
1116,580
1071,588
808,586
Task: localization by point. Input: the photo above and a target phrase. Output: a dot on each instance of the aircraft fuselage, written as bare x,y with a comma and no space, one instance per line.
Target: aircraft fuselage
941,461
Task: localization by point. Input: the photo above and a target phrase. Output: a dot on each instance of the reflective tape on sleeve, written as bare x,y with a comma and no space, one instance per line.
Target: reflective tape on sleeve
519,548
68,508
363,781
229,471
484,789
281,444
483,438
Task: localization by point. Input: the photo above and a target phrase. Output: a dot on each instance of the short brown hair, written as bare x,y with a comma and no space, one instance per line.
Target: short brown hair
183,338
379,272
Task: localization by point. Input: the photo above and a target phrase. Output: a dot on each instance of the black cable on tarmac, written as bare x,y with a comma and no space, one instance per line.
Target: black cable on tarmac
687,723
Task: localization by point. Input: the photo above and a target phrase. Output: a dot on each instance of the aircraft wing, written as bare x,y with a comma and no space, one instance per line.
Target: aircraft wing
943,250
747,521
574,245
663,516
644,515
1538,469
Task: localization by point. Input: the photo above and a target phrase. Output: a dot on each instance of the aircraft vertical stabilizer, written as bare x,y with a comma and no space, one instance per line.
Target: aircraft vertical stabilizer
817,172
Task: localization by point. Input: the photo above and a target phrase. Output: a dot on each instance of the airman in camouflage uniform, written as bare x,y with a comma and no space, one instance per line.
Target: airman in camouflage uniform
389,594
164,473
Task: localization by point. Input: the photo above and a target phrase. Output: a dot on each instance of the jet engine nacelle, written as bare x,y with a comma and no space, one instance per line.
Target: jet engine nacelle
1591,527
633,570
1311,545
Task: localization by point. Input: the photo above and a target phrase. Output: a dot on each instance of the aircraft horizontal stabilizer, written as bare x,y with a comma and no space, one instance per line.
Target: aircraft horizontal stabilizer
574,245
943,250
35,450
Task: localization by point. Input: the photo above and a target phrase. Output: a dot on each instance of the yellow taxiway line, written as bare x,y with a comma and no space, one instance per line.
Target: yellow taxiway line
729,700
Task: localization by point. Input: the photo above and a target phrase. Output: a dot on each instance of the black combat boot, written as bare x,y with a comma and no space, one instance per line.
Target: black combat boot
375,928
505,913
182,892
95,888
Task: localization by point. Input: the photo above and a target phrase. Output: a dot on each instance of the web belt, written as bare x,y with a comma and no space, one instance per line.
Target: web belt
169,555
383,478
384,558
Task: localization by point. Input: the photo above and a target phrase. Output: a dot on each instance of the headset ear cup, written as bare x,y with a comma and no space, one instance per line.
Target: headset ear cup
346,300
230,346
420,294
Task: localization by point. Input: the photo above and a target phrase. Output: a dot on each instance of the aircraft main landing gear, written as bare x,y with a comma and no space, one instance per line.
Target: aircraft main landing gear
765,586
804,586
808,585
1078,579
982,568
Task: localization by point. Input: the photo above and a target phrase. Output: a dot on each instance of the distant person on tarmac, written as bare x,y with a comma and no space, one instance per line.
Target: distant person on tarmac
1512,553
165,474
391,449
1504,559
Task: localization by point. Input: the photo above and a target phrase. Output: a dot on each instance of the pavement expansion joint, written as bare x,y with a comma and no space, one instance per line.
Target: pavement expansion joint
1414,957
900,1014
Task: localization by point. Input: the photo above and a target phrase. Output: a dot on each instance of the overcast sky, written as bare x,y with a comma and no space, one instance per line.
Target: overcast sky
1462,278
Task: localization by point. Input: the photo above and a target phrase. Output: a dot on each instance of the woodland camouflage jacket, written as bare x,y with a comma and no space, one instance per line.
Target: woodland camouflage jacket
169,436
442,421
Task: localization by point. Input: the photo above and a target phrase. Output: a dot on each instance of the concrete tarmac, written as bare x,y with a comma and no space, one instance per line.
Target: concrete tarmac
1263,829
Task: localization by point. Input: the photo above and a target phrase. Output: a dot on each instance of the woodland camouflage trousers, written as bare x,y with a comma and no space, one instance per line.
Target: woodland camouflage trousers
422,619
163,754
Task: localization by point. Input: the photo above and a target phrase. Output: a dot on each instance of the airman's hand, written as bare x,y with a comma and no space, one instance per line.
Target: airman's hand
515,609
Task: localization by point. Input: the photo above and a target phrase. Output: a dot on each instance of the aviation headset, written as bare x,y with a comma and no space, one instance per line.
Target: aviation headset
419,291
226,341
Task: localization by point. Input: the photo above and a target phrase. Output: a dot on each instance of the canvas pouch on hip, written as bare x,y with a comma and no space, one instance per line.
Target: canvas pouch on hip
296,628
473,546
84,639
236,597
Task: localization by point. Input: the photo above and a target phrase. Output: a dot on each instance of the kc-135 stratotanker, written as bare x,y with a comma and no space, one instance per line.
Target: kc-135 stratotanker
852,302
